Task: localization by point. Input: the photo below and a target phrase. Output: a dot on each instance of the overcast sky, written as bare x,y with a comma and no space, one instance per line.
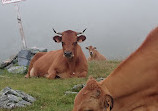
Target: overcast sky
115,27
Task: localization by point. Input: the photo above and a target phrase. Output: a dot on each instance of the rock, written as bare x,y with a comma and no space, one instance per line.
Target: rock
35,50
100,79
8,62
4,64
5,91
10,105
25,96
3,98
23,62
9,66
13,98
17,70
70,92
24,57
77,87
10,98
23,102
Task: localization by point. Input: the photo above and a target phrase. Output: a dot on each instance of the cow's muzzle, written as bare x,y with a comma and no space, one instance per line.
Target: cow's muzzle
91,53
68,54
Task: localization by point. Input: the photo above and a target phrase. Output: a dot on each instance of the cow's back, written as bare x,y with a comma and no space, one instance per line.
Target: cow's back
42,65
97,56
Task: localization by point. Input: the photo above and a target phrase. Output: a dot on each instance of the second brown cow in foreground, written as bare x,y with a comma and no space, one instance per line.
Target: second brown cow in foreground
67,62
94,54
132,86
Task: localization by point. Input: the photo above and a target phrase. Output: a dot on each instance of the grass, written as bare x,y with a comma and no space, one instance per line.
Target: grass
50,93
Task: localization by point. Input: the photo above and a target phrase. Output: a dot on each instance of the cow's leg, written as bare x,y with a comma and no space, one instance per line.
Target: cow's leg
27,75
33,73
51,74
34,59
83,74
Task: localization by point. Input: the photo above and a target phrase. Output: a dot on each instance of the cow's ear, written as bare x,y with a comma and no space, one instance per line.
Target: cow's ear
87,47
92,84
57,38
81,38
94,48
108,102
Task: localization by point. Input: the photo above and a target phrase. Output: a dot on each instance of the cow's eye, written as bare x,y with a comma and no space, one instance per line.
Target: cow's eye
63,43
74,43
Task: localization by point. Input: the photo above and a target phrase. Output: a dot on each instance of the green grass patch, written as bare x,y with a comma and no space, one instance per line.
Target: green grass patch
50,94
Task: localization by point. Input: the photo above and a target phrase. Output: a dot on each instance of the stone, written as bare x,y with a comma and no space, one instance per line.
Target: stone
25,96
23,102
23,62
8,62
77,87
10,98
13,98
9,66
5,90
70,92
17,69
4,64
24,57
10,105
35,50
3,97
100,79
24,54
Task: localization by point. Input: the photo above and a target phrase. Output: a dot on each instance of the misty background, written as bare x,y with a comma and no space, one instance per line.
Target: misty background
115,27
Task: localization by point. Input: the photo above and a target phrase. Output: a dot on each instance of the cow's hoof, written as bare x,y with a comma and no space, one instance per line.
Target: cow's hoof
49,77
46,76
27,76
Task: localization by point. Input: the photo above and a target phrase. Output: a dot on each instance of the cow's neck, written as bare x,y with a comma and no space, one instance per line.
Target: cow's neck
72,62
71,65
138,72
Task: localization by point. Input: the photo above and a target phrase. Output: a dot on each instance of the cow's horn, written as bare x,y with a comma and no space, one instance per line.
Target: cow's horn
81,32
57,32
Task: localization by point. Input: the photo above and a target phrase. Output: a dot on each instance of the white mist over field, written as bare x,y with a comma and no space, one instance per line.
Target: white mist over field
115,27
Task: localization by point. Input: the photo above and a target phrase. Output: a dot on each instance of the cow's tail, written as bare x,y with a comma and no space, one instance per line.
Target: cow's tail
34,59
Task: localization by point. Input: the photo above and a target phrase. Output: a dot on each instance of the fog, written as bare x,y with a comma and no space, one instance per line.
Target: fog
115,27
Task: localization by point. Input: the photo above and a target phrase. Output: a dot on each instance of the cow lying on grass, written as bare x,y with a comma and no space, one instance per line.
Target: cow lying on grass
94,54
67,62
132,86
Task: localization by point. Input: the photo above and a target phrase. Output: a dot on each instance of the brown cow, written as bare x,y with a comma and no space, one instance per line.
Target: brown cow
67,62
133,85
94,54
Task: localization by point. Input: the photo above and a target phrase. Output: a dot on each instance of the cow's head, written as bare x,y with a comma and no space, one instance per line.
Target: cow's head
69,40
92,98
91,50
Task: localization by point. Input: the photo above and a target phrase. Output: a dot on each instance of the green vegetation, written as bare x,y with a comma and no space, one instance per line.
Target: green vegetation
50,93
